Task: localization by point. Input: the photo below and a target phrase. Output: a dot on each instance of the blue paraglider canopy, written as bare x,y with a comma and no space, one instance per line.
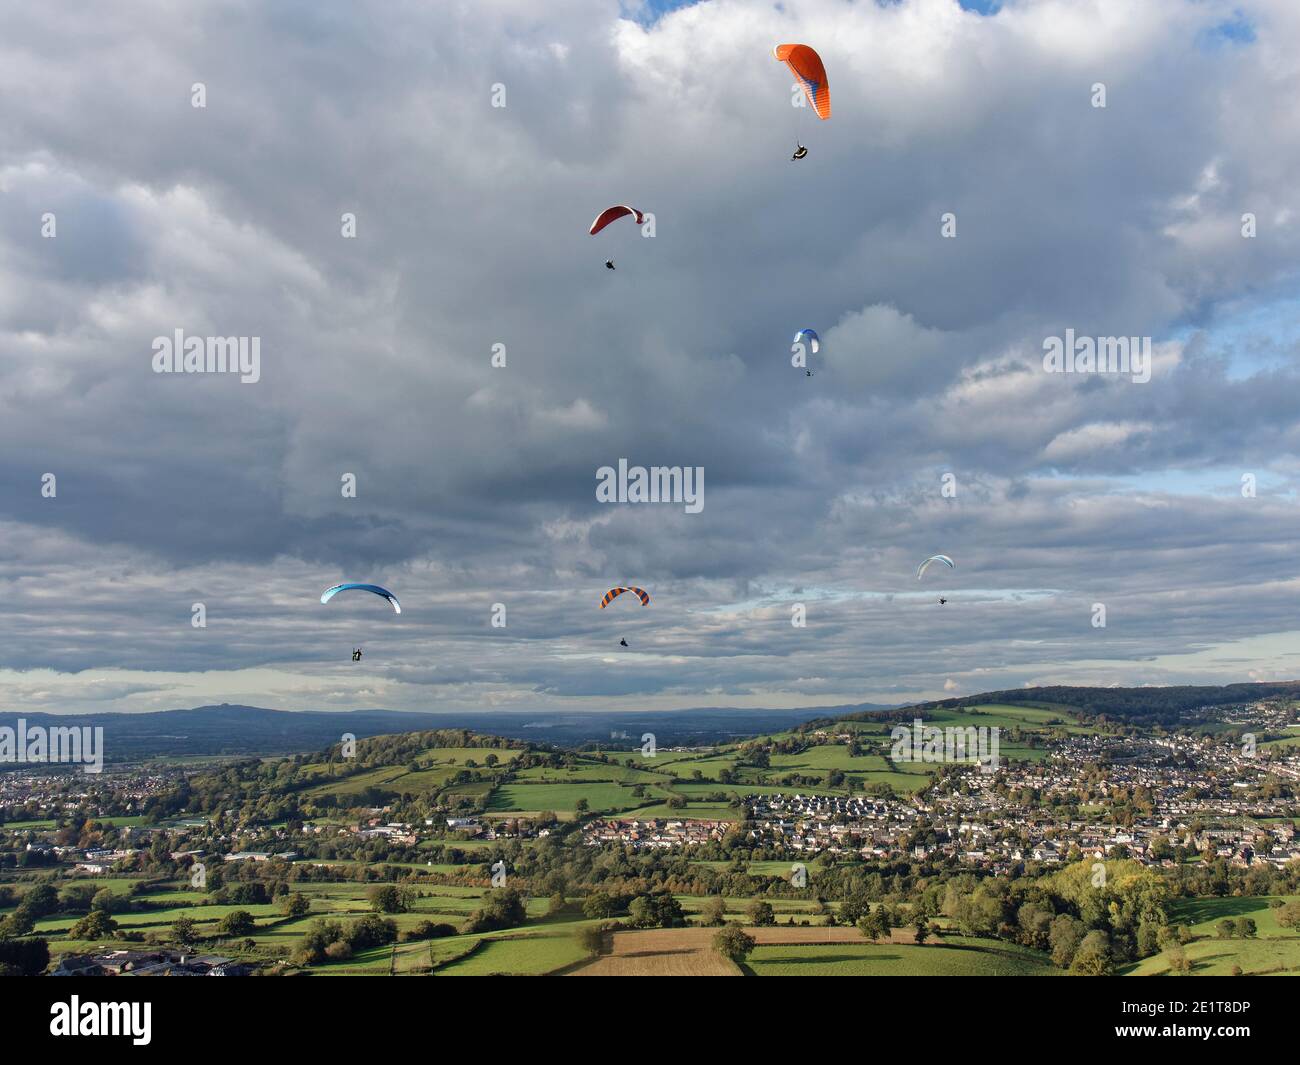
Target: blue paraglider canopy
811,334
330,593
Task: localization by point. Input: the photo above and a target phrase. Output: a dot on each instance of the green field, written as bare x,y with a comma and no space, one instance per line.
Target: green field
592,772
435,768
518,955
896,959
601,798
1274,948
699,811
1286,741
48,823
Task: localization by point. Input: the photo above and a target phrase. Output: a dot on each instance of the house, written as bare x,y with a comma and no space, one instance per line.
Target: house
78,965
260,856
232,968
117,962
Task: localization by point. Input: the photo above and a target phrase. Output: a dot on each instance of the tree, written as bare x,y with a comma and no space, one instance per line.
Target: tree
295,905
656,910
761,914
428,930
371,931
979,913
733,943
237,923
1035,921
591,938
184,931
922,930
385,898
714,912
1148,939
95,925
1177,958
41,901
1093,958
1245,927
1173,933
27,956
104,900
1226,929
18,923
1288,914
600,906
1065,936
854,907
557,905
502,908
319,936
875,924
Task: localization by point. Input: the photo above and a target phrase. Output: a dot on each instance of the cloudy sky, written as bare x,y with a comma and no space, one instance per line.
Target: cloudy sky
476,484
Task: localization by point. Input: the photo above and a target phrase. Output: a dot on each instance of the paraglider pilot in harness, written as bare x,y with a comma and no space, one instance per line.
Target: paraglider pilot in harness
356,654
799,153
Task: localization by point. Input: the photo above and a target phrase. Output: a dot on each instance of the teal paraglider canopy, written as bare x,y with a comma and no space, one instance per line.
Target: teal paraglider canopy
920,570
330,593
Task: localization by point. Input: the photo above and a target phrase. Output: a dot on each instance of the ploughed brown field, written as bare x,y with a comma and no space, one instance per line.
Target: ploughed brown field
689,951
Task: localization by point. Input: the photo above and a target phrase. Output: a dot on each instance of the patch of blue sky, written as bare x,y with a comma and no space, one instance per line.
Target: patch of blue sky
648,12
1219,481
1251,337
1237,30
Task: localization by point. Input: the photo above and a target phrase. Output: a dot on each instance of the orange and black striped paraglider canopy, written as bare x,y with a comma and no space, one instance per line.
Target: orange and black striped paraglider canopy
614,593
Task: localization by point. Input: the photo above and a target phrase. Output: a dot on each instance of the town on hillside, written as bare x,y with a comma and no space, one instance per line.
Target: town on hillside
1152,843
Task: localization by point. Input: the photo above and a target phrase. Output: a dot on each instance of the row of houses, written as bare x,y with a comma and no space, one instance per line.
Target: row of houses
653,833
150,963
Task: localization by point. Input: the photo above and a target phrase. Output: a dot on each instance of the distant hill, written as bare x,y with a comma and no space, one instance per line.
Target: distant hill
208,731
1150,705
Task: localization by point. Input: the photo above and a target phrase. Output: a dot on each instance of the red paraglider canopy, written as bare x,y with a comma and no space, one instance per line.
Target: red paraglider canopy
609,214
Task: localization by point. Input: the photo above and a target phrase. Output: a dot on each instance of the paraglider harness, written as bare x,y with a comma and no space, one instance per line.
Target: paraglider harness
356,655
800,152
